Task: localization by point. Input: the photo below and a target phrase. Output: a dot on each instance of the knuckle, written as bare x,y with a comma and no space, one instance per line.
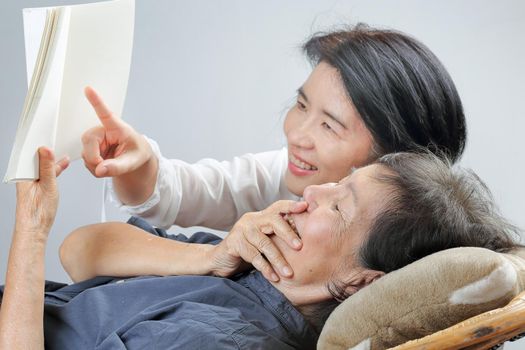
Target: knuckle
275,258
109,115
91,134
266,229
87,162
278,207
278,260
282,203
264,244
86,137
259,262
266,269
250,216
91,169
244,217
286,231
256,259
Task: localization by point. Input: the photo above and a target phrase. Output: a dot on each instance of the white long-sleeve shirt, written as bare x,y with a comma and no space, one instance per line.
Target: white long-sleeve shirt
211,193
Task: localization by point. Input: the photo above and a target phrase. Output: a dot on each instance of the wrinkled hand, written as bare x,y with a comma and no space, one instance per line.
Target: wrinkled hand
114,148
37,201
248,242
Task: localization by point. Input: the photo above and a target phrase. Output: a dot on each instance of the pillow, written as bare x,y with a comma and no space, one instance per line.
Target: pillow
424,297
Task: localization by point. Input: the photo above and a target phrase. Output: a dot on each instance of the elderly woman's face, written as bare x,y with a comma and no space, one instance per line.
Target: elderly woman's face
325,134
335,224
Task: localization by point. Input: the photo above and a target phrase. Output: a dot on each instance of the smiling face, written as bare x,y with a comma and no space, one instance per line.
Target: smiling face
332,230
326,136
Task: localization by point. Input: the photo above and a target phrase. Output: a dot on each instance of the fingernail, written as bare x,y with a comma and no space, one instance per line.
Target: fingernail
296,243
287,271
275,278
103,170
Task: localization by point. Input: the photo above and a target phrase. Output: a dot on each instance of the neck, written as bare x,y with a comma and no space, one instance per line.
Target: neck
317,314
314,302
302,294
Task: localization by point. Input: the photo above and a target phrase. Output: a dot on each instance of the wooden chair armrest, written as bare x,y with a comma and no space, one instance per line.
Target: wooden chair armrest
479,332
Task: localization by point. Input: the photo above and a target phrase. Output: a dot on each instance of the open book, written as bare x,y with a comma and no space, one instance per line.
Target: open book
67,49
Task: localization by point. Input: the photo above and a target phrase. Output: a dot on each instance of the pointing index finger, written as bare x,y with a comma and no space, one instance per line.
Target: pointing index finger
107,118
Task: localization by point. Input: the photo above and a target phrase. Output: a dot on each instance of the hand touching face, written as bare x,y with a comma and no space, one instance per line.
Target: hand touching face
248,243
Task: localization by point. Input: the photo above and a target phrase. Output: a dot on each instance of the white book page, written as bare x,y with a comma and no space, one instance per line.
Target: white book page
99,55
34,23
40,127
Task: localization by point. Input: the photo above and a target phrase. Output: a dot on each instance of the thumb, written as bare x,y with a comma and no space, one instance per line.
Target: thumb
46,159
116,166
298,207
288,206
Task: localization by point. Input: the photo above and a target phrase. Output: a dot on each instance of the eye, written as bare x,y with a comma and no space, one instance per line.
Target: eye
345,214
301,106
327,126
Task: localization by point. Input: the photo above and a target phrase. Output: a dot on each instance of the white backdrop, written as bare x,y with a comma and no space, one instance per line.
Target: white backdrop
214,79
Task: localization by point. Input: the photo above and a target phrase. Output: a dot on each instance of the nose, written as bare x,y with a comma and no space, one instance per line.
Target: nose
316,195
300,134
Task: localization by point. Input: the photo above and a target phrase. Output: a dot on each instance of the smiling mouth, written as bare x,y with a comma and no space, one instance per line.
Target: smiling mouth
300,164
290,221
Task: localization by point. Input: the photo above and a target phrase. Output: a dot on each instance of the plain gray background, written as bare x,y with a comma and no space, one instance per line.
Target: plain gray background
214,79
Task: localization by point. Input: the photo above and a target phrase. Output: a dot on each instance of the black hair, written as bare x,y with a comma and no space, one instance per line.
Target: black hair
403,93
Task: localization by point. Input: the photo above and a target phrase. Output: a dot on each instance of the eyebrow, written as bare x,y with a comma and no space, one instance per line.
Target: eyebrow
330,115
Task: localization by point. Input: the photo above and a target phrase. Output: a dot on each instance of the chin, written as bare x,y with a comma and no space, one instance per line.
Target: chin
296,185
293,187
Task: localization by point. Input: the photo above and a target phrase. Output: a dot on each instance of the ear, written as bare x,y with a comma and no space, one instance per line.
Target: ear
360,278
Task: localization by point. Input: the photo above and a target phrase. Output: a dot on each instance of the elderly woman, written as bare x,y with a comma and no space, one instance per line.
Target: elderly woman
378,219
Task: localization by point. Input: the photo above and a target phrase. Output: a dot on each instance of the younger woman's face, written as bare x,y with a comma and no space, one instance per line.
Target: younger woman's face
326,136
